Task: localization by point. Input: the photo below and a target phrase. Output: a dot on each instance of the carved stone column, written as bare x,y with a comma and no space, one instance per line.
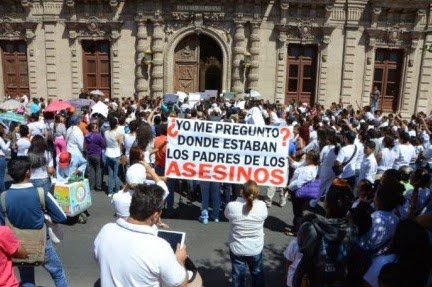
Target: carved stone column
284,11
281,66
140,82
157,70
50,59
239,50
255,39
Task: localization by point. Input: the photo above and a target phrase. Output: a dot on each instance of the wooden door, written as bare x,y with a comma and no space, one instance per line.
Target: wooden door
186,67
96,66
387,77
301,77
15,68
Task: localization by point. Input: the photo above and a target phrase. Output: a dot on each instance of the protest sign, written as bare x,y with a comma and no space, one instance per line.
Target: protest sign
194,98
227,152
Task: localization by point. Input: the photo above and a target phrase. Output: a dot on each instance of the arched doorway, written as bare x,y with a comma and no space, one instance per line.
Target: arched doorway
198,64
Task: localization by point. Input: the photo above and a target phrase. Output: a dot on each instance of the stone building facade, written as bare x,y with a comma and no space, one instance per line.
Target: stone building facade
316,51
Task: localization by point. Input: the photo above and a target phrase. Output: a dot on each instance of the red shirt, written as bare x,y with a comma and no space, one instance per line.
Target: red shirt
161,154
8,246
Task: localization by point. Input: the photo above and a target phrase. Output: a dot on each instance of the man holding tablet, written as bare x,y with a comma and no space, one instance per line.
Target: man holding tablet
129,252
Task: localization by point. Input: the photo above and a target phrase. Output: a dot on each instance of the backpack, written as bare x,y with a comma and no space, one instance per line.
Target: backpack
326,267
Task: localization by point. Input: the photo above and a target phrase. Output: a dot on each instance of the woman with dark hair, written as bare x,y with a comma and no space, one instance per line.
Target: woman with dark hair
42,163
23,143
327,158
129,139
144,140
246,237
405,151
410,249
4,149
94,144
388,196
304,173
114,143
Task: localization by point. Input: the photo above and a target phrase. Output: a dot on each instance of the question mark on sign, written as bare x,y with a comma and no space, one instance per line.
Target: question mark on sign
171,132
286,134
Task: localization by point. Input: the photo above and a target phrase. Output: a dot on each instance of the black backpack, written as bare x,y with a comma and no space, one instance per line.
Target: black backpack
327,266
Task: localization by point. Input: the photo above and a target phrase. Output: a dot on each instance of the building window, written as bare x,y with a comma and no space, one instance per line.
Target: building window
387,77
96,66
301,77
15,68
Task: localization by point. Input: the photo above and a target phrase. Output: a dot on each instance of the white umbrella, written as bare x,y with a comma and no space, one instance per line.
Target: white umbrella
97,92
254,94
10,105
100,108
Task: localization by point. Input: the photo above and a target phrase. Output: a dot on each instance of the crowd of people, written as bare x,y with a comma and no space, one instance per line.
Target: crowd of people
368,224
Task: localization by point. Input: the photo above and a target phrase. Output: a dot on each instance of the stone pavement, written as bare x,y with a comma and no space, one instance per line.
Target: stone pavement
206,244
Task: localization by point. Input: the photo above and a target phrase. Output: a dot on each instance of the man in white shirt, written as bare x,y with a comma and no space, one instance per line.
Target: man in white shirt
347,156
74,137
368,167
130,254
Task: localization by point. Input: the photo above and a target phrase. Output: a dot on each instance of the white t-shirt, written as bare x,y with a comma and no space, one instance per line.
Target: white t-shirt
128,142
292,253
41,172
388,156
132,255
405,153
121,200
37,128
23,144
112,144
343,156
368,168
246,234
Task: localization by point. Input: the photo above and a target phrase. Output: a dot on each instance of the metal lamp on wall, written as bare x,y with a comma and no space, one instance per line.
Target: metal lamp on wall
148,57
247,60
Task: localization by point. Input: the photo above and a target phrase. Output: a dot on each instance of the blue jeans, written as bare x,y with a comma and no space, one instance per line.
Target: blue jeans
2,173
42,182
171,184
374,105
114,183
52,264
207,188
256,268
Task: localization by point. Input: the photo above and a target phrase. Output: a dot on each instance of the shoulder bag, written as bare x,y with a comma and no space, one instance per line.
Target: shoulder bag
33,240
338,169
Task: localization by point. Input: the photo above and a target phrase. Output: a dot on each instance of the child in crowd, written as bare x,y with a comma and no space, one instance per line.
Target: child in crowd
293,255
364,192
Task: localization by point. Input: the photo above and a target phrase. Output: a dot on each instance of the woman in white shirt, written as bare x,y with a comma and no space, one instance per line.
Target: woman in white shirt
246,236
42,163
304,172
386,156
114,142
23,143
129,139
405,151
4,149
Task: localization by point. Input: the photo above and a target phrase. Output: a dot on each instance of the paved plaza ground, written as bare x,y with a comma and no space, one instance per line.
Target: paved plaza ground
206,244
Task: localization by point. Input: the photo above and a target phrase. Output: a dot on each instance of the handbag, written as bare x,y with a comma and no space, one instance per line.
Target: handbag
338,169
33,240
310,190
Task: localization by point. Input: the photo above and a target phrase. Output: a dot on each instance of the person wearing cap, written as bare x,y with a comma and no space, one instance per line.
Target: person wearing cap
74,137
130,253
68,164
136,174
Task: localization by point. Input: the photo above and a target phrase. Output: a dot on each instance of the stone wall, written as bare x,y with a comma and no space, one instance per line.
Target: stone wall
346,38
